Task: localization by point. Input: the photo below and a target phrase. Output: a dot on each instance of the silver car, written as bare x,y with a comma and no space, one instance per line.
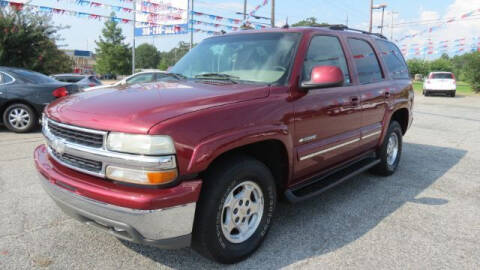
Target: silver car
83,81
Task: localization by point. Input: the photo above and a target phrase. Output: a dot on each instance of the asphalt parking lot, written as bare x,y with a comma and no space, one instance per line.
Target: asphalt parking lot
426,216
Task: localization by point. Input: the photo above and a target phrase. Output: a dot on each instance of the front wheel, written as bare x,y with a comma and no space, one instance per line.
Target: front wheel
235,210
390,151
452,94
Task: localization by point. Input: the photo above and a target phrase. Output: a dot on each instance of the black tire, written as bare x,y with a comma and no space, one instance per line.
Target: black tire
425,93
33,119
208,237
452,94
386,168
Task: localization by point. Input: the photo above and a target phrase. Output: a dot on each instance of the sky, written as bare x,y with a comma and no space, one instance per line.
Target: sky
410,16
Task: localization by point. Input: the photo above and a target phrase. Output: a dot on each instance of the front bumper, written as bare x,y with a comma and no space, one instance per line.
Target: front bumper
168,227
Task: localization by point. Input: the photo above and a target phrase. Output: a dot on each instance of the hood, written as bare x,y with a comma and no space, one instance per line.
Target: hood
136,108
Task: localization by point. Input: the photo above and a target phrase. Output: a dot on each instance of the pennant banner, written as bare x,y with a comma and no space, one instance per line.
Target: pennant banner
227,20
264,3
435,28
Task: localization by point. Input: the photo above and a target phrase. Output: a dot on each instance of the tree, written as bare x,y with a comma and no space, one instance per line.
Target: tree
28,40
113,55
312,21
418,66
472,70
146,56
441,64
168,59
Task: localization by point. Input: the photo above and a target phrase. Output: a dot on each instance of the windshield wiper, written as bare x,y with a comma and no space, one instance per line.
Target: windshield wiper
177,76
217,76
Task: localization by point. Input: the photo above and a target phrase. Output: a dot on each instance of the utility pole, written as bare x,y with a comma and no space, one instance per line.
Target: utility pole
371,16
372,7
191,30
391,26
273,13
133,32
244,10
347,21
383,14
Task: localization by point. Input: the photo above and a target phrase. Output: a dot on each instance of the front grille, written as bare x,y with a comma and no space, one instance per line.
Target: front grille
76,136
78,162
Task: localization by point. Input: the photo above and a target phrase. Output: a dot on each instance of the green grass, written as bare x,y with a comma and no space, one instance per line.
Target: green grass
462,87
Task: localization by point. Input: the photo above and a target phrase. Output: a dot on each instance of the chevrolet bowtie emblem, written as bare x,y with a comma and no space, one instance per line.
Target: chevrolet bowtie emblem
58,146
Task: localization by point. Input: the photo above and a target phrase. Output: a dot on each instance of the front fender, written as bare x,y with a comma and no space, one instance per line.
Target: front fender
211,148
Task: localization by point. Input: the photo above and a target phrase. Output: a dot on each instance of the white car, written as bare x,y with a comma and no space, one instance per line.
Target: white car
440,83
140,77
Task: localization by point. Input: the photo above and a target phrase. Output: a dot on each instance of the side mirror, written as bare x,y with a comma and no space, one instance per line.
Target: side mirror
324,76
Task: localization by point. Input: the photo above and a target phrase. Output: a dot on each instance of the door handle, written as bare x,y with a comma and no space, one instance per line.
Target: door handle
354,100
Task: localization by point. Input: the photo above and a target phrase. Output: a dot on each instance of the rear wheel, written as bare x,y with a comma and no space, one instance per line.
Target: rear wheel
235,210
452,94
390,151
19,118
425,92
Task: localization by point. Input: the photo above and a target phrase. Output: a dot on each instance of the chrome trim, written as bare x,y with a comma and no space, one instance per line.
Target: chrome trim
99,132
308,138
124,160
13,79
371,134
329,149
151,224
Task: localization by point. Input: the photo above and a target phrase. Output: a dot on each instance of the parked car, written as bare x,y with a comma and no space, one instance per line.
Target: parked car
140,77
200,158
440,83
83,81
108,76
24,94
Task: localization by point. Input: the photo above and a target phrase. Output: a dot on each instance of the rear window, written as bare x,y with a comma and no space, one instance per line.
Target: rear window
441,76
32,76
366,61
69,79
393,58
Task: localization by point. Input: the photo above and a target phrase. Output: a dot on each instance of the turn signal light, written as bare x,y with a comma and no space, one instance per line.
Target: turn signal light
60,92
163,177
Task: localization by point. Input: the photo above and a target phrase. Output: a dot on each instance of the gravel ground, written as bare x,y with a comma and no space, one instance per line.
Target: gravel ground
426,216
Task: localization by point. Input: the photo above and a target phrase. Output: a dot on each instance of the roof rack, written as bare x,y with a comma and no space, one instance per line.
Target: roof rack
342,27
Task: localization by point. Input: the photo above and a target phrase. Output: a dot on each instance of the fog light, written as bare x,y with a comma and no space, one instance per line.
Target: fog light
140,176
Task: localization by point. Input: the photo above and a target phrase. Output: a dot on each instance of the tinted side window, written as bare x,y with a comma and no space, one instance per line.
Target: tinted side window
325,51
141,78
368,68
391,55
4,78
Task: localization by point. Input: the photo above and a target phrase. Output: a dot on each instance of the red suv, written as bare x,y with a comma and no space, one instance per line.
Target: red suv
201,157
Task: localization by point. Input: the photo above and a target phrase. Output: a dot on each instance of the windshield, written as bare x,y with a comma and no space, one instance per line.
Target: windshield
259,58
34,77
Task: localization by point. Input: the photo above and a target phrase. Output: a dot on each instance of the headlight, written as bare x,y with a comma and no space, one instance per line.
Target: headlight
140,144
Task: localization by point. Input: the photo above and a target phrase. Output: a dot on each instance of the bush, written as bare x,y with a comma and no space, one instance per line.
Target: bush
472,71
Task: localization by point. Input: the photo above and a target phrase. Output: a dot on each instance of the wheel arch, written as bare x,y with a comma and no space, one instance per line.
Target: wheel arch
15,101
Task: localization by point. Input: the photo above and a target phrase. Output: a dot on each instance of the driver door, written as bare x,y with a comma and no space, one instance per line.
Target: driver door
327,120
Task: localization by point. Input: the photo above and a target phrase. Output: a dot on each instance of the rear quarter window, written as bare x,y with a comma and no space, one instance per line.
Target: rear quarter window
368,67
393,59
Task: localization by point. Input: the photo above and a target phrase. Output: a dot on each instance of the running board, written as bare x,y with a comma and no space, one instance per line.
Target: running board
329,180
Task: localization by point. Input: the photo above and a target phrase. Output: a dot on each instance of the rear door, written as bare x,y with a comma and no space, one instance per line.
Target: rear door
5,81
327,120
374,89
